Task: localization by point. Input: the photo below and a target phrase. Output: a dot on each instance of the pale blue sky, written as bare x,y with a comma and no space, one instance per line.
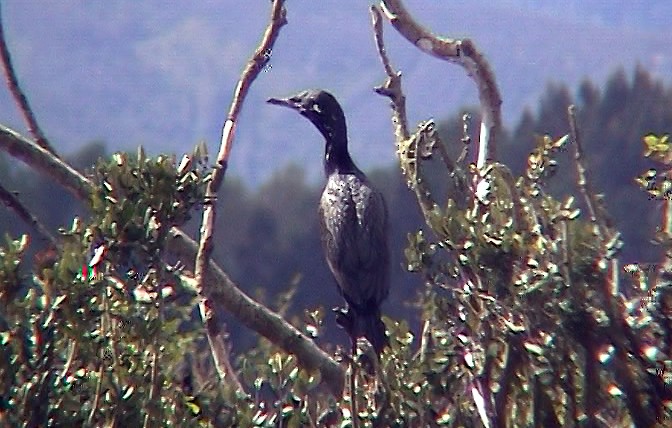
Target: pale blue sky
162,73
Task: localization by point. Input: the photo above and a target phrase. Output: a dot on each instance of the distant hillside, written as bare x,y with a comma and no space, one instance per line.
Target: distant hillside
140,72
634,14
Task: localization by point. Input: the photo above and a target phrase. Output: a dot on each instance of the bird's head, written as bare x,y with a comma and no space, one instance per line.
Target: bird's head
321,108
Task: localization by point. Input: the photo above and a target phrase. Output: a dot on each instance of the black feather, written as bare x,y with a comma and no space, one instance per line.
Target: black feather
353,218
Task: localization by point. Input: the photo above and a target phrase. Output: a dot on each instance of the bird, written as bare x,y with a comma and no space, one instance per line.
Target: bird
353,222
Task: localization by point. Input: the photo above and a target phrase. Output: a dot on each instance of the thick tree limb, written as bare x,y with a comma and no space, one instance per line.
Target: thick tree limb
259,59
45,162
464,53
218,286
19,96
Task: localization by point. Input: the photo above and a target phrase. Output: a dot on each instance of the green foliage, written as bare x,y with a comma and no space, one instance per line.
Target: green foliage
272,233
612,118
525,321
658,186
96,336
281,393
526,318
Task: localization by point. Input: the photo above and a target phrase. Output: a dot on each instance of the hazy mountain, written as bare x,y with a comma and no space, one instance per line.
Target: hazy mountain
162,73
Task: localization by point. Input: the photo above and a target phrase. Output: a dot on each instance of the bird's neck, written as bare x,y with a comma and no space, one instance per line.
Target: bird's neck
337,158
335,133
336,155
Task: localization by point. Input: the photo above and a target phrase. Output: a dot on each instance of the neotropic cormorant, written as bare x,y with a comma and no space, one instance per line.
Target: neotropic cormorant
353,219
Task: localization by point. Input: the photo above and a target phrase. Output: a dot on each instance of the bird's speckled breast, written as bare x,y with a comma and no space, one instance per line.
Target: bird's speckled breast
347,196
354,236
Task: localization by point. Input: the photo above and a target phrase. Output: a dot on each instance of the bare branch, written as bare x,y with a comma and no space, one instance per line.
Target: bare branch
218,347
45,162
19,96
464,53
409,151
254,66
407,145
218,286
392,86
466,137
582,174
11,200
622,339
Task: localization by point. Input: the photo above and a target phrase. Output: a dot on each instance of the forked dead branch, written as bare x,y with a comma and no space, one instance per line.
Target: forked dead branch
464,53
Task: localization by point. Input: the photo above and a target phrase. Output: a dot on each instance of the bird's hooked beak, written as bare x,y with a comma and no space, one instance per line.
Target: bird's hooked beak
291,102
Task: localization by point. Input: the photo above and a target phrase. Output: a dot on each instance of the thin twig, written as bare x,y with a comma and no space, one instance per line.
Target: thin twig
407,145
623,344
104,328
427,203
425,337
445,157
392,86
72,351
97,394
406,148
254,66
582,174
566,254
353,387
19,96
464,53
466,137
11,200
155,382
154,387
218,285
218,347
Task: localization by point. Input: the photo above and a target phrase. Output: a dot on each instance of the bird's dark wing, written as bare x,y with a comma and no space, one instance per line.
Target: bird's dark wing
354,222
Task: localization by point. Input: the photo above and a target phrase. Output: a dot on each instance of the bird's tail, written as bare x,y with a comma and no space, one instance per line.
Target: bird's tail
370,326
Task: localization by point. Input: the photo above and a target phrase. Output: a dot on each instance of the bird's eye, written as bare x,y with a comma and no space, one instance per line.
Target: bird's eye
316,108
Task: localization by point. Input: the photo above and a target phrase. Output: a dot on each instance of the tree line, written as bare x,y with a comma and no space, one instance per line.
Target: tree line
271,237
